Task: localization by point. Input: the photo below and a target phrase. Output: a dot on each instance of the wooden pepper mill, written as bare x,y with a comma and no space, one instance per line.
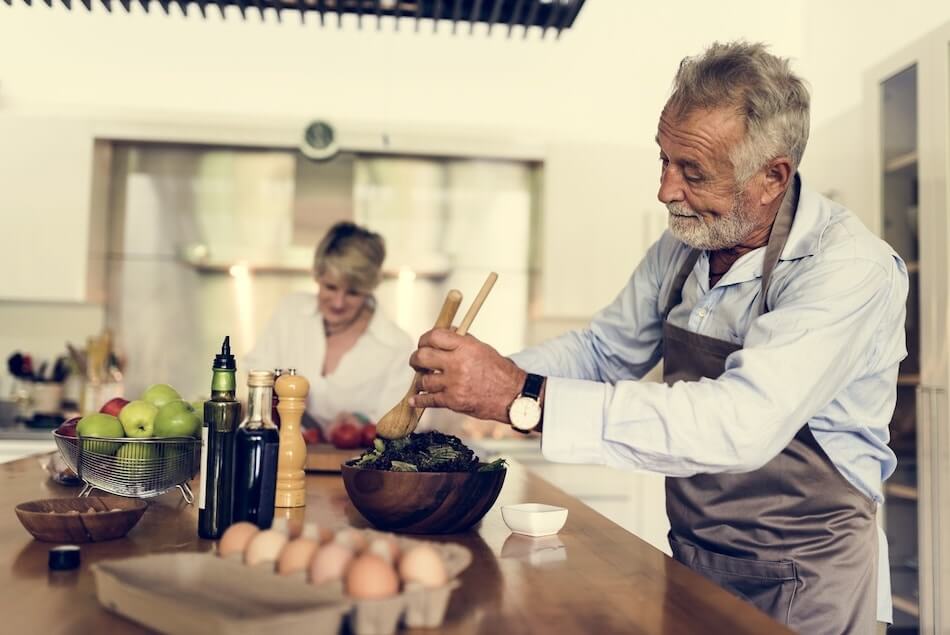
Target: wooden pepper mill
291,390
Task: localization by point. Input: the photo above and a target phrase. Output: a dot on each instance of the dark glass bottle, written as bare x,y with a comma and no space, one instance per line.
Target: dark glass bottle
221,416
256,448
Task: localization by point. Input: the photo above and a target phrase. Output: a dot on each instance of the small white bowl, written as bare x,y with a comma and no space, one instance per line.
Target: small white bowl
534,519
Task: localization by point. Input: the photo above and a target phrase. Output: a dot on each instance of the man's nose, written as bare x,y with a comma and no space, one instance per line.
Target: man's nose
671,186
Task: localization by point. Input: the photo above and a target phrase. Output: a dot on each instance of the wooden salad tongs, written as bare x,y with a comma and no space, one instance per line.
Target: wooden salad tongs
402,419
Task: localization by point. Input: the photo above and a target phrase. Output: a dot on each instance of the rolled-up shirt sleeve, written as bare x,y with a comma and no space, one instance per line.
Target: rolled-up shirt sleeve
819,335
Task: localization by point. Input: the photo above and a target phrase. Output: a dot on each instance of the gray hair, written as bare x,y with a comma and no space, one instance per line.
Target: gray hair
771,99
354,252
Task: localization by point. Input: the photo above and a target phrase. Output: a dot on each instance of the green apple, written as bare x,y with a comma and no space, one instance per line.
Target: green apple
138,418
160,394
100,424
134,460
199,408
177,419
136,452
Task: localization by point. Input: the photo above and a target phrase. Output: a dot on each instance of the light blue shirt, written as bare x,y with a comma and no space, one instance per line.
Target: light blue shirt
825,354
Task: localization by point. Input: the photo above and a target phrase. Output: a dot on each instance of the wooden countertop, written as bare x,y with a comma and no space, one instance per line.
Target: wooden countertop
593,577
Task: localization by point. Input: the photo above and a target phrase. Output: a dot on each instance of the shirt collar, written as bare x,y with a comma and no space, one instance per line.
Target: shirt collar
376,328
811,218
804,237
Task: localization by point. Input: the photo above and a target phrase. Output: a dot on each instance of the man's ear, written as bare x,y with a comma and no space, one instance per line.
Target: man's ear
778,174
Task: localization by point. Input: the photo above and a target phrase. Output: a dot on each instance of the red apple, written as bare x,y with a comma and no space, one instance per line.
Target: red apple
114,406
368,435
68,428
346,436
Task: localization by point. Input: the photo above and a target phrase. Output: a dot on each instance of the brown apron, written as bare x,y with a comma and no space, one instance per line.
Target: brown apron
793,537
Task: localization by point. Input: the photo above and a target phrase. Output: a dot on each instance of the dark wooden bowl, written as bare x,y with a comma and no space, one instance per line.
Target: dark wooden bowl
422,502
56,520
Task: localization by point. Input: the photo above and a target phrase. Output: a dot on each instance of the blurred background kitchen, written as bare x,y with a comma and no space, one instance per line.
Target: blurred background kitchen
166,177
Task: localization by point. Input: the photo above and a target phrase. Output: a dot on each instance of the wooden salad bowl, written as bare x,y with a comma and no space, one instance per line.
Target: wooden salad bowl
422,502
72,520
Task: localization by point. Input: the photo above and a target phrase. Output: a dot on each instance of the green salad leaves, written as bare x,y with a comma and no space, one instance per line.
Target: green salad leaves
424,452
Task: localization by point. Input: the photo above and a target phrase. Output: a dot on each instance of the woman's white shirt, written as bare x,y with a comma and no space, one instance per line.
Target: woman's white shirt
370,378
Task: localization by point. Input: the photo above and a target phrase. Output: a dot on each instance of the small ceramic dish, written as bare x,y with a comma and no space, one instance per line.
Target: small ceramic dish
534,519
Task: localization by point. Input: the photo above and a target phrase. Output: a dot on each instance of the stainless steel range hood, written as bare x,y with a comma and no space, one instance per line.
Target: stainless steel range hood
548,15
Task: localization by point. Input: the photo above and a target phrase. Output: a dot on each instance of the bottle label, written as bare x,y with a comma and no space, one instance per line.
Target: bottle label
203,483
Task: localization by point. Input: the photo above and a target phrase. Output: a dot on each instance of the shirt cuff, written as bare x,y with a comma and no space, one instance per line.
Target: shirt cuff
573,421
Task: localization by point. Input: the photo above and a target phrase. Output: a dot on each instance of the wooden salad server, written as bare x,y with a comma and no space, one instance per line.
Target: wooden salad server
403,419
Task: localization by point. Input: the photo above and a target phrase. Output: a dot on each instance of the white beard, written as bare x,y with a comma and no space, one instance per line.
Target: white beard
723,232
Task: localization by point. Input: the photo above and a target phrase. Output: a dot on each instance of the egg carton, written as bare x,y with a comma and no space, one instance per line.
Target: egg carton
415,606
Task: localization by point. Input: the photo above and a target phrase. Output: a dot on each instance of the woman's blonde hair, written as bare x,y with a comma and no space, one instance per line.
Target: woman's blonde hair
353,252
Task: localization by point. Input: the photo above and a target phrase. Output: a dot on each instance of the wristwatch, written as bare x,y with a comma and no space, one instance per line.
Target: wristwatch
525,411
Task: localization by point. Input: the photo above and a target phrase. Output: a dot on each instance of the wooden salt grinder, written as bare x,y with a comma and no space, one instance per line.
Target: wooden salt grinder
292,392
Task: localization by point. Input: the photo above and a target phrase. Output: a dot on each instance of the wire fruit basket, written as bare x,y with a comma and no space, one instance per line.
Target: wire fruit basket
135,468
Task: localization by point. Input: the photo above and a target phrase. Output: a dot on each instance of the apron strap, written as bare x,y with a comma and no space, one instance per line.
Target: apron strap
675,295
781,228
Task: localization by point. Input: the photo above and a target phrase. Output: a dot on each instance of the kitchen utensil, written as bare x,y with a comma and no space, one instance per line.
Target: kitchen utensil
463,329
534,519
60,370
422,502
78,357
72,520
153,468
402,419
477,303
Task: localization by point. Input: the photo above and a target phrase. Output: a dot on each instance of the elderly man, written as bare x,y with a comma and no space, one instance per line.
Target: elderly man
779,320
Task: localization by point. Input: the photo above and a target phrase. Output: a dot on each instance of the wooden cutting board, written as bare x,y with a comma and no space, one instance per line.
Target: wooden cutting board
323,457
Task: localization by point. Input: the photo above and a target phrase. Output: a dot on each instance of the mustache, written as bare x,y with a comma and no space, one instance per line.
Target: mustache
678,209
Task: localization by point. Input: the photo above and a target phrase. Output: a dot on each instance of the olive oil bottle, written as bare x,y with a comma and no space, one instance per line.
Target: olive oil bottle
221,417
256,448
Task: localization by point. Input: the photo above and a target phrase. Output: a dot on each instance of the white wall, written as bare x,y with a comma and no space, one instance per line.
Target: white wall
840,43
592,96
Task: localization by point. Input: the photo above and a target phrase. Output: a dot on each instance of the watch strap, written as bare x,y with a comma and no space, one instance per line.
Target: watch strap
532,386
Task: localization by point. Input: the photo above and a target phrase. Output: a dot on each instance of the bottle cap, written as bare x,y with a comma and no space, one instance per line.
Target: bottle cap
260,378
64,558
225,360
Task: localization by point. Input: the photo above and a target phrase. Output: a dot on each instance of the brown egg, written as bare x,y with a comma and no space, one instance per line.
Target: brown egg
330,563
265,546
369,577
235,538
424,565
296,556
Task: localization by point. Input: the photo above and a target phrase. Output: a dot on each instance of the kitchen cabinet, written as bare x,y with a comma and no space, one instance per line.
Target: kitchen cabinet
50,241
907,99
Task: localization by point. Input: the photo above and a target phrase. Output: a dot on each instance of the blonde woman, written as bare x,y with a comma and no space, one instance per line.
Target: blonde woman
357,359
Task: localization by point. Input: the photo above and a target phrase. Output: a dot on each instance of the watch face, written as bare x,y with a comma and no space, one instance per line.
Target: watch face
525,413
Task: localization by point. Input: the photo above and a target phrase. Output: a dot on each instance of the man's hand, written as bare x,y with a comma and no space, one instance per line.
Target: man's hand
469,376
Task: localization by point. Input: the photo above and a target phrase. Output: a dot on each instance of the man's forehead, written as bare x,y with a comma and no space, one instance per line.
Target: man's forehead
702,129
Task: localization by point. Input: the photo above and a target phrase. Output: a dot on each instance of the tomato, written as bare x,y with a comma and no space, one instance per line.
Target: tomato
346,436
368,434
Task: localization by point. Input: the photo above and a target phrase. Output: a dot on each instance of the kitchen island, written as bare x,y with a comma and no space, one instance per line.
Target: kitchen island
593,577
